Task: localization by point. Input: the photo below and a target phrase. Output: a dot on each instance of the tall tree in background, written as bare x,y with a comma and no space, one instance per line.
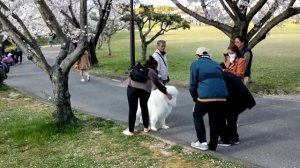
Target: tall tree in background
113,25
235,17
2,39
101,8
67,56
148,20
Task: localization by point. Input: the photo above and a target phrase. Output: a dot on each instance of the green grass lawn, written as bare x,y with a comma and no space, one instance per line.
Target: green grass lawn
30,138
275,68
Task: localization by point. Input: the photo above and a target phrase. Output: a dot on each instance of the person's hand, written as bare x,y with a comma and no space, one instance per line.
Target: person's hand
169,96
168,80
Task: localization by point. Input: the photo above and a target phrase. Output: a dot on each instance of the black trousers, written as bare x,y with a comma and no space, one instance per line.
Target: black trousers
133,95
216,116
19,55
231,126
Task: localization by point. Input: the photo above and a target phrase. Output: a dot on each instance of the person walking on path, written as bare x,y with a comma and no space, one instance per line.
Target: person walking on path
209,92
141,91
235,63
83,65
241,43
19,54
160,56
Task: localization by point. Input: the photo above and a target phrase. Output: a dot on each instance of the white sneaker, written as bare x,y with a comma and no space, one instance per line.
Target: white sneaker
127,132
198,145
88,78
82,80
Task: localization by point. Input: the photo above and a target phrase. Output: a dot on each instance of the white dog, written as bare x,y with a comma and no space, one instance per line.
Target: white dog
159,107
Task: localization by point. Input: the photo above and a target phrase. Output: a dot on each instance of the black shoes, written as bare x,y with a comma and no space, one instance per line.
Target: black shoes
234,142
222,143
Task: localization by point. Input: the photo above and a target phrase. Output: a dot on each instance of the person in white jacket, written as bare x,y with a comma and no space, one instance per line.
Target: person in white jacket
160,56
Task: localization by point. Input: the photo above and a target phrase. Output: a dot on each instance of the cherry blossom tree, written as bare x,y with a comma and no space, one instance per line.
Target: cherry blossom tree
114,24
296,19
3,37
252,19
100,8
13,21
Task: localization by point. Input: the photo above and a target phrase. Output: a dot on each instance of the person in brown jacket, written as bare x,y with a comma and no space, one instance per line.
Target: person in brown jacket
235,63
83,64
141,91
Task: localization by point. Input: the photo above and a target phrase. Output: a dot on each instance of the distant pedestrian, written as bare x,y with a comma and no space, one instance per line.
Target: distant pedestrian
235,63
83,65
139,91
160,56
51,38
19,55
242,44
209,92
10,59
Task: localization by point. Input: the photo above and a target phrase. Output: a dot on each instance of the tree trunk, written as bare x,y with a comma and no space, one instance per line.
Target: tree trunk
144,50
1,48
1,45
108,46
63,111
240,29
100,42
92,53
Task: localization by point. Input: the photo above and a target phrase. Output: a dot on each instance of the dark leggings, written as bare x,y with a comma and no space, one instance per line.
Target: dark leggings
133,94
19,55
231,129
216,118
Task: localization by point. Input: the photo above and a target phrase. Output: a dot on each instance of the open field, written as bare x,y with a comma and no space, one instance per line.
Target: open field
30,138
275,68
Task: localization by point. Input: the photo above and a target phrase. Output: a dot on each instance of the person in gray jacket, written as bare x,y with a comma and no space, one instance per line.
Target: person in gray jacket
162,63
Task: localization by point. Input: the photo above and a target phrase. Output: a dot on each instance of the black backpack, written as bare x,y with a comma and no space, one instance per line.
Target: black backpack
139,73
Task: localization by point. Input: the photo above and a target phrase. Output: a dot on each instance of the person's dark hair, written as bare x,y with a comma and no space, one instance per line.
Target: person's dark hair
235,49
151,62
243,40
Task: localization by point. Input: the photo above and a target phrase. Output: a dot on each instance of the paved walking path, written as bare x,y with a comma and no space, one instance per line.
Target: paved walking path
269,133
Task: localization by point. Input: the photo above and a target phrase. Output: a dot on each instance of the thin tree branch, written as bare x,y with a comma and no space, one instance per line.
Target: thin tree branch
227,10
281,17
223,27
154,37
74,19
50,20
70,19
292,2
262,22
235,9
104,14
150,28
203,5
34,55
255,9
32,40
69,61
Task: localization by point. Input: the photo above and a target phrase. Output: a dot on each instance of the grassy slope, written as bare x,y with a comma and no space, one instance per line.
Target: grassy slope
275,64
29,138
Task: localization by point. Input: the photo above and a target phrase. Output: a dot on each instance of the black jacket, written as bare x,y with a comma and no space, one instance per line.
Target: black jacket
239,97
